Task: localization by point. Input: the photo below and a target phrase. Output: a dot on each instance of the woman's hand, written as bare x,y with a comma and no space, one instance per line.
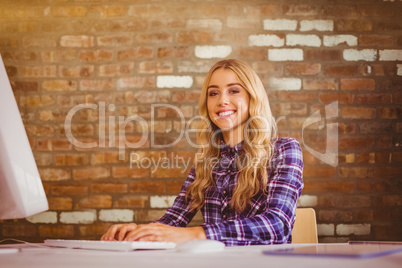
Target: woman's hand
153,232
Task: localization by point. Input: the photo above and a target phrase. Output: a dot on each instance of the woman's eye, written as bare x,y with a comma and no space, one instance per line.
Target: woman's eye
234,91
211,94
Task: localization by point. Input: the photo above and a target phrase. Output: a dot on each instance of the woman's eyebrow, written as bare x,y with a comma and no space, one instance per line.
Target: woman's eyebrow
228,85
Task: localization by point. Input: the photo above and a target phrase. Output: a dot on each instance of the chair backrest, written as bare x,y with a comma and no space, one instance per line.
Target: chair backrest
305,226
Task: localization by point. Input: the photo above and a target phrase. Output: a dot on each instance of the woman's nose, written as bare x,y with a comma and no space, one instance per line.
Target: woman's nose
223,100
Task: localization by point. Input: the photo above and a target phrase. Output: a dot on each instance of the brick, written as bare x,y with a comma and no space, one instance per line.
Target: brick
40,131
151,67
309,40
340,11
66,55
135,53
109,70
54,145
60,203
372,10
319,25
353,26
132,202
114,40
174,186
321,172
374,98
307,201
94,201
211,24
322,55
399,69
157,37
320,84
109,187
33,41
68,11
95,55
152,96
108,11
78,217
387,172
136,82
389,113
300,10
147,187
97,84
303,69
327,186
355,143
342,39
93,231
209,52
378,187
71,160
266,40
342,98
238,22
76,71
391,55
69,190
43,217
285,54
357,84
358,55
376,40
325,229
170,81
358,113
173,52
38,71
78,41
91,173
59,85
56,231
280,25
162,201
127,172
355,229
356,172
285,83
116,215
341,70
24,86
54,174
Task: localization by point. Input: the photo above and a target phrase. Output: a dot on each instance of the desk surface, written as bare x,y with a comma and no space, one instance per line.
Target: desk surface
242,257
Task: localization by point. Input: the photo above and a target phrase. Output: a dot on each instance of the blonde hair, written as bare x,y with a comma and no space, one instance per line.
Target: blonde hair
258,150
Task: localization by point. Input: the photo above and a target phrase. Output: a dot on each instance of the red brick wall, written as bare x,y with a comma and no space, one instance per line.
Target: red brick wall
123,56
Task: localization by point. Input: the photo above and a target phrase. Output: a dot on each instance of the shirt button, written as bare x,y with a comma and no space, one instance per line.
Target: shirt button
224,192
224,216
229,171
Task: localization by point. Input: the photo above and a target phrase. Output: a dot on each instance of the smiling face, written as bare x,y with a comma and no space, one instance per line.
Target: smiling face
228,104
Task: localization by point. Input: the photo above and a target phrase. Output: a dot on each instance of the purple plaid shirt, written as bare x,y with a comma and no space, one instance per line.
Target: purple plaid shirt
270,218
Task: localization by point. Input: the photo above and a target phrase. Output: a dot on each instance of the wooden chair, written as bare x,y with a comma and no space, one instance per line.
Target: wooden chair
305,226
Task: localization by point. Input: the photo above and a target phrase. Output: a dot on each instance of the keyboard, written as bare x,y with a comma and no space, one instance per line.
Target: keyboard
109,245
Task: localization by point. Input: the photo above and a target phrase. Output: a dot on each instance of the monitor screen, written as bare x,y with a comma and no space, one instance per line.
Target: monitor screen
21,189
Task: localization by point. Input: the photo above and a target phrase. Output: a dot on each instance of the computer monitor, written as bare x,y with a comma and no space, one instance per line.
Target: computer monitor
21,189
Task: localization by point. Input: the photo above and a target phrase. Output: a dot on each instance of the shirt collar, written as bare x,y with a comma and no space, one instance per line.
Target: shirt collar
226,150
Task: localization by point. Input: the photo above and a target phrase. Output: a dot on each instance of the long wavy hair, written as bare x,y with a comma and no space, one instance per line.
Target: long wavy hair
259,131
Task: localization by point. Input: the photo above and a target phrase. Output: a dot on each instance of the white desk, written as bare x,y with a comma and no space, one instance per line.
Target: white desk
242,257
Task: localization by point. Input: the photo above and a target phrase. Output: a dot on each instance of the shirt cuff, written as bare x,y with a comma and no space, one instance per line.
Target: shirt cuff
212,232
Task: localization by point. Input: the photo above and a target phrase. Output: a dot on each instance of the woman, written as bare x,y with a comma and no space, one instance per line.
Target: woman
246,182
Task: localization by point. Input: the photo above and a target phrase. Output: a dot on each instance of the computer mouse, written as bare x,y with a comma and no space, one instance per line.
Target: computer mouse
200,246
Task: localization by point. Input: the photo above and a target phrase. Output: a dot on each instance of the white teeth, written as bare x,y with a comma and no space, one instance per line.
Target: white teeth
226,113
